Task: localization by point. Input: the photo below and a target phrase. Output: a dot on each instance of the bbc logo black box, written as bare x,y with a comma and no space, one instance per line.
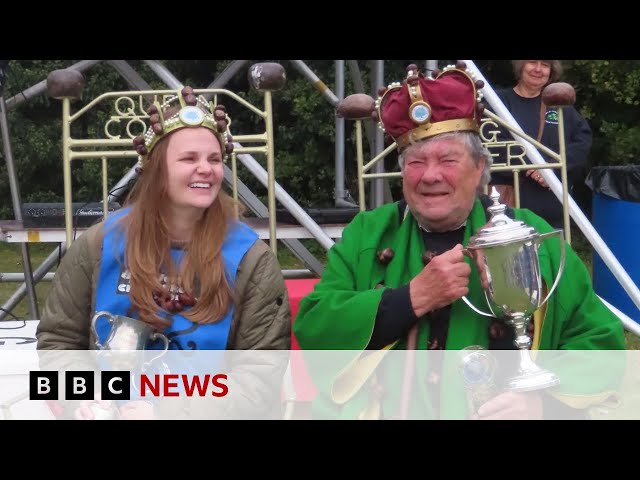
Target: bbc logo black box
79,385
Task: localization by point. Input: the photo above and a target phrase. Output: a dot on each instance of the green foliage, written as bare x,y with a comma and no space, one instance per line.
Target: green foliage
36,136
608,95
624,148
304,122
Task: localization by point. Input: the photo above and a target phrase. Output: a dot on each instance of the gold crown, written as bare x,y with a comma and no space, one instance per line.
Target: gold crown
184,110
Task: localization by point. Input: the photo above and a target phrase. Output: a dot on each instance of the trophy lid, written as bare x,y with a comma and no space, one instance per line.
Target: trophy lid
501,229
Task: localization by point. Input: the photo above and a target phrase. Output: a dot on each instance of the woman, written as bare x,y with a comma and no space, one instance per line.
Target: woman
524,101
176,258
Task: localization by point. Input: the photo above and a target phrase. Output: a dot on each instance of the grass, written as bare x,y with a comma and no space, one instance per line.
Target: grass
582,247
11,261
289,261
632,342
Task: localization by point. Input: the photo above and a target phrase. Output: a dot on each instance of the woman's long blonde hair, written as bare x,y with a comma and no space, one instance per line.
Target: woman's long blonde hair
148,247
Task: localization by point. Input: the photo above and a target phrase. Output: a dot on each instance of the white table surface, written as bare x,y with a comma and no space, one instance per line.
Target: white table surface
18,335
18,356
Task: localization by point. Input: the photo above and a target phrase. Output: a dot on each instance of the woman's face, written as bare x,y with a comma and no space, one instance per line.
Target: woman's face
535,74
194,169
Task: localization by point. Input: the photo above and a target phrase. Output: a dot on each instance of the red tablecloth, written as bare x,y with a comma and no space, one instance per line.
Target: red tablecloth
305,390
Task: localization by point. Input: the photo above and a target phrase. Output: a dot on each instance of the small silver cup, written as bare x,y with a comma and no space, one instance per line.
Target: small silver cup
127,334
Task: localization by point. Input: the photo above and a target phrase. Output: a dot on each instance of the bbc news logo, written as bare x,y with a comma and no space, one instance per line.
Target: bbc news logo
79,385
116,385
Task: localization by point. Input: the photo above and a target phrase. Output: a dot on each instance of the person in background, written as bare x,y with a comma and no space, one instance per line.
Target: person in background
524,102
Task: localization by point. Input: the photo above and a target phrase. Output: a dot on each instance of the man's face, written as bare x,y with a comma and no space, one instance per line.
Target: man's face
440,180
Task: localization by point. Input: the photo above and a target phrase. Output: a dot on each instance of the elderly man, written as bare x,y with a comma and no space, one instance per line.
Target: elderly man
400,268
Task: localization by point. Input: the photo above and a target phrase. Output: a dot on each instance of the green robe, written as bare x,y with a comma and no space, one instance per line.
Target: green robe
340,313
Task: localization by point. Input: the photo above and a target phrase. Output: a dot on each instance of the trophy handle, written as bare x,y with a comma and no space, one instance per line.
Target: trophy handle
465,251
477,310
165,340
95,332
542,236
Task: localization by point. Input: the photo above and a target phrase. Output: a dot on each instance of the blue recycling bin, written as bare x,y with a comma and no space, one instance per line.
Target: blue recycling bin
616,218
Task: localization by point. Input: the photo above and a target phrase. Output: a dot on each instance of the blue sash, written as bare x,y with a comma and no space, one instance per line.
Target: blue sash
112,292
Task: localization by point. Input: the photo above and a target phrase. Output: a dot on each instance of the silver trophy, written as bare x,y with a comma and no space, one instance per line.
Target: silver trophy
127,337
126,344
506,254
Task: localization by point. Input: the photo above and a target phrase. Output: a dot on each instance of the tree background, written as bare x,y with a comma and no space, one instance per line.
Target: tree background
607,96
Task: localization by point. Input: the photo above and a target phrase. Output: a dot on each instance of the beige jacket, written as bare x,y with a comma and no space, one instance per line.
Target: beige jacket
261,321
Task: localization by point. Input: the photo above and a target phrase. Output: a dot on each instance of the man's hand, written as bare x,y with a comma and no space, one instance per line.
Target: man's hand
511,406
444,280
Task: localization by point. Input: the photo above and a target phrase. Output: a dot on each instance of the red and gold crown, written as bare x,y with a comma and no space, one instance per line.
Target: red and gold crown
179,111
421,107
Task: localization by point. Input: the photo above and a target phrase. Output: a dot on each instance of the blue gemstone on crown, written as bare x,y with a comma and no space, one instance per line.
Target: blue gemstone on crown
420,113
191,115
